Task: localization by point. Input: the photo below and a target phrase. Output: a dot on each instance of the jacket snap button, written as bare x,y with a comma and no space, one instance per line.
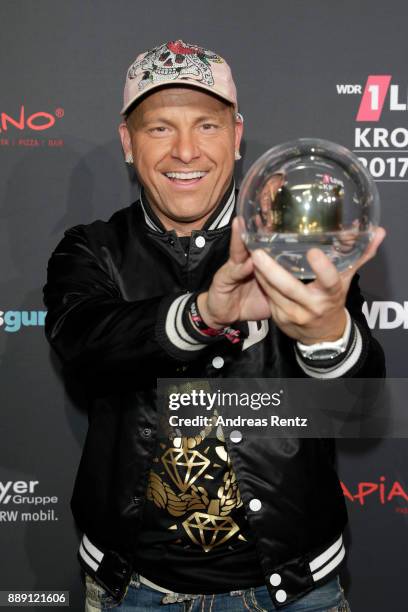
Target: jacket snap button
255,505
275,579
147,432
200,241
137,501
280,595
235,436
218,362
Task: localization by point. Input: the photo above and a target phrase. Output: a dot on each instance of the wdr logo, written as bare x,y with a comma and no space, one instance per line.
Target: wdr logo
373,99
386,315
374,96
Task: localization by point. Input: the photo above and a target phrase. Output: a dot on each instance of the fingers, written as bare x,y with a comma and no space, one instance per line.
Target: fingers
238,272
318,317
297,300
279,278
327,275
238,251
308,306
283,309
328,279
239,264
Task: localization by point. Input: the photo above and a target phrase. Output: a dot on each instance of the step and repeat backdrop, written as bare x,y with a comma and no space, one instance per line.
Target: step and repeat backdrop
303,69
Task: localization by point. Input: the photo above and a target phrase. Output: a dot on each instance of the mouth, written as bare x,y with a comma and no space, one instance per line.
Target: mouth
185,178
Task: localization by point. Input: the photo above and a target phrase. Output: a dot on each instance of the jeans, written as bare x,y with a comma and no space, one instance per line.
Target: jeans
142,598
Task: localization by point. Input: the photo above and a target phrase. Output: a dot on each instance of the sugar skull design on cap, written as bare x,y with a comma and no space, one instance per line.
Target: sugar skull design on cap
177,61
174,60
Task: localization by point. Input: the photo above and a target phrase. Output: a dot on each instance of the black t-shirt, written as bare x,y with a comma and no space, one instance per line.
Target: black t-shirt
185,243
195,536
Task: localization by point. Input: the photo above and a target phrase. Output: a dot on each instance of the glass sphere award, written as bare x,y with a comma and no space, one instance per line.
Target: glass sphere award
309,193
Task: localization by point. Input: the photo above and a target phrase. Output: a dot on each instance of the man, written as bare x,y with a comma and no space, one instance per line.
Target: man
167,289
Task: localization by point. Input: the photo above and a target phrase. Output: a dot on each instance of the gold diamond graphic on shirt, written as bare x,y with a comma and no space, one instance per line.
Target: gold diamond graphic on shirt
184,466
209,530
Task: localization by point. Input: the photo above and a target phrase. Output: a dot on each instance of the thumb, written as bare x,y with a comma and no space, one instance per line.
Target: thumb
238,252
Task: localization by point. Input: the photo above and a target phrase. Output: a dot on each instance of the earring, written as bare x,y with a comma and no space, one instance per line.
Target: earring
129,159
237,155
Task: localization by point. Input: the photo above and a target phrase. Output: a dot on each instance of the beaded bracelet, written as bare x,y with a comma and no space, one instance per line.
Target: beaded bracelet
230,333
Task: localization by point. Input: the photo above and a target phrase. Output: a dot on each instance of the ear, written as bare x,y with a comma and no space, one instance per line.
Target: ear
125,138
239,130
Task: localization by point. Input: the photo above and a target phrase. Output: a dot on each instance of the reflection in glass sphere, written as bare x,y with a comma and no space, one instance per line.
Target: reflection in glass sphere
309,193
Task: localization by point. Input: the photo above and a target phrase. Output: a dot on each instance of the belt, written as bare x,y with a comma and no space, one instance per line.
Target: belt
154,586
170,596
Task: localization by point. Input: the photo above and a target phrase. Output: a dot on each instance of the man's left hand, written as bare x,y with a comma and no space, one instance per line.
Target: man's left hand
312,312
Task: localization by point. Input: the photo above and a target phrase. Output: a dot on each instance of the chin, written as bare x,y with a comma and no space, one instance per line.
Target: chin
189,209
185,216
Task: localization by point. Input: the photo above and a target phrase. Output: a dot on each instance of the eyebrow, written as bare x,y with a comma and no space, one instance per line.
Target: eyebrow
199,119
156,120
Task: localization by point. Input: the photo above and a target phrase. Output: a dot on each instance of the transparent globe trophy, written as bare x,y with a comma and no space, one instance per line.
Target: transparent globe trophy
309,193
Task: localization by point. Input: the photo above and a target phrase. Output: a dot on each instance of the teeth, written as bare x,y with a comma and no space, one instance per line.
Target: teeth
185,175
165,70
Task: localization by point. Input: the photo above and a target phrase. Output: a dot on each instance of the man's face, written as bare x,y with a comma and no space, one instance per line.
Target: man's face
183,143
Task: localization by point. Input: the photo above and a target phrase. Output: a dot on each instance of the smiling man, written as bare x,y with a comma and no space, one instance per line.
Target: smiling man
182,142
166,288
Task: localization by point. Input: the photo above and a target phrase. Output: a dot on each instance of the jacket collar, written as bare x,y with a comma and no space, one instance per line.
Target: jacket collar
219,218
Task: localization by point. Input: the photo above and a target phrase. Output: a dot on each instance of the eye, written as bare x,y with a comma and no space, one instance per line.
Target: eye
208,127
160,129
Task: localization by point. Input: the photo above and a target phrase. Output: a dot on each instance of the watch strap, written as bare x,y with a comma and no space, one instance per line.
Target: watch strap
308,352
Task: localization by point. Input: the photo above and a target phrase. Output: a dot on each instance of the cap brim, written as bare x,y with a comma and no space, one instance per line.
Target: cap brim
178,83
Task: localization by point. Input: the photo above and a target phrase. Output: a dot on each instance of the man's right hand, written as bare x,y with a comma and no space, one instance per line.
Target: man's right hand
234,294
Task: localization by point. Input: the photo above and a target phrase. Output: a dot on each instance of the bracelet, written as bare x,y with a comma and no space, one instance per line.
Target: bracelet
230,333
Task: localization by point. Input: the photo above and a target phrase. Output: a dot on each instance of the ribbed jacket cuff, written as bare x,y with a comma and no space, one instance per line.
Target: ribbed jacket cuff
174,330
343,365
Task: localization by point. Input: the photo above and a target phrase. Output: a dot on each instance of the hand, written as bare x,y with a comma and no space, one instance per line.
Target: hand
234,294
312,312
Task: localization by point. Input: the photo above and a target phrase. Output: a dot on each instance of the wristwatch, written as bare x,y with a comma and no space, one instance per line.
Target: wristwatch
326,350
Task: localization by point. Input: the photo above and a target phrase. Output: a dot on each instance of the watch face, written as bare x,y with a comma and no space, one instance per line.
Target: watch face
325,353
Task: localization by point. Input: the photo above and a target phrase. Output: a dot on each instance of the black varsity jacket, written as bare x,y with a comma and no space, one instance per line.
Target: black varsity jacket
116,296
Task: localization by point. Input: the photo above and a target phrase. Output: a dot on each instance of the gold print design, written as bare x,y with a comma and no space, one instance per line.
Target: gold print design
184,466
208,525
229,494
208,530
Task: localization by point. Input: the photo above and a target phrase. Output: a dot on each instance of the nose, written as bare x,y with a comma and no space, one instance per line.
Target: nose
185,146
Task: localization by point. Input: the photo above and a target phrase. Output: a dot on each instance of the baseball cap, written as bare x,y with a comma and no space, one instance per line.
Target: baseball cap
178,63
